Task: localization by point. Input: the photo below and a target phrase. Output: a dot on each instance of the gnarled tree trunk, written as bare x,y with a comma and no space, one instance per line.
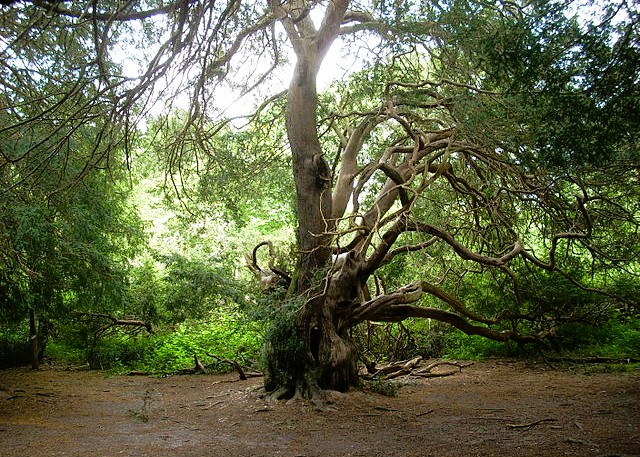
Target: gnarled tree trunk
328,356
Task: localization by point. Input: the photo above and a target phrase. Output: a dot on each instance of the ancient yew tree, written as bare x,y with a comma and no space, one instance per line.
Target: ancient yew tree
486,141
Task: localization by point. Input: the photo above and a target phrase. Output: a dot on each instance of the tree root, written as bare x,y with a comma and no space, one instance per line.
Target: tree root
320,399
278,394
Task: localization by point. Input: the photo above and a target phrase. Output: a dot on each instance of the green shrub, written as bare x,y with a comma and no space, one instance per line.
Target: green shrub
284,354
475,347
226,334
617,337
63,352
117,353
14,352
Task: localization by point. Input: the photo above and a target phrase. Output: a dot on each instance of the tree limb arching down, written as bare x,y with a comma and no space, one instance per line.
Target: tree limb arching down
457,148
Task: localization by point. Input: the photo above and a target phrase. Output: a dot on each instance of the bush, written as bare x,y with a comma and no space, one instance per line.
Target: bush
66,353
14,352
117,353
226,334
617,337
475,347
284,354
14,346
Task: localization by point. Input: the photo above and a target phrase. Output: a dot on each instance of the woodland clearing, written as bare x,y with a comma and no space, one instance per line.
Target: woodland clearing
490,408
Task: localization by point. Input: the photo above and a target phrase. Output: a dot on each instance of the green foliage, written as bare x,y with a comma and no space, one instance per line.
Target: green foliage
220,172
62,352
284,353
464,347
194,287
547,67
64,249
617,337
226,334
117,353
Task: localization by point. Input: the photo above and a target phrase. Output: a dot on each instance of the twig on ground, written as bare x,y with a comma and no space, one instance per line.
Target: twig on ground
530,424
425,413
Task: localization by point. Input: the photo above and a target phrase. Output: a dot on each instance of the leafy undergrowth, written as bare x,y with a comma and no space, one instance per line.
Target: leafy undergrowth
615,343
226,335
617,338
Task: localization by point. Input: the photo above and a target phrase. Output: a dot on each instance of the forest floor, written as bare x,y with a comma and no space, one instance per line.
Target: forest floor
493,408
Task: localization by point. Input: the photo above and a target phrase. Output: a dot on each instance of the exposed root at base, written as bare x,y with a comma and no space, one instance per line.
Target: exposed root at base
320,399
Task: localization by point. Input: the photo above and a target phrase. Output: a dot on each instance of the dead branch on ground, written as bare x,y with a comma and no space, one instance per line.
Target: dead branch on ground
244,375
413,367
233,363
198,367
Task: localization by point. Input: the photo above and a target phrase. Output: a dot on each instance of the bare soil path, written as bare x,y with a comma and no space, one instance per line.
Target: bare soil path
496,408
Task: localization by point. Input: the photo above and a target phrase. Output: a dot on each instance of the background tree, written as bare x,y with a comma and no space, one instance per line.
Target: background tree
67,226
65,253
459,144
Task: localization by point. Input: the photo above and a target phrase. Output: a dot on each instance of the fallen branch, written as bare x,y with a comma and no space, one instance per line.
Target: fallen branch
198,367
398,373
233,363
435,375
394,367
433,365
411,367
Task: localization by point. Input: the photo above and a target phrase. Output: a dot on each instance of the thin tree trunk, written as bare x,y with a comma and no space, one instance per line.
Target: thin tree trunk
33,340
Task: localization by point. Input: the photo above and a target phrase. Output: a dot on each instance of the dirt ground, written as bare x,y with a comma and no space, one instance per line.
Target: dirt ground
497,408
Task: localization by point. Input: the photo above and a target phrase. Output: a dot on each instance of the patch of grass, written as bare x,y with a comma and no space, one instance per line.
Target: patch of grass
612,368
138,415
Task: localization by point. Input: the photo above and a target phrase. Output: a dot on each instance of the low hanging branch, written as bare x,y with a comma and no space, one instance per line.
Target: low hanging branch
398,306
133,325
